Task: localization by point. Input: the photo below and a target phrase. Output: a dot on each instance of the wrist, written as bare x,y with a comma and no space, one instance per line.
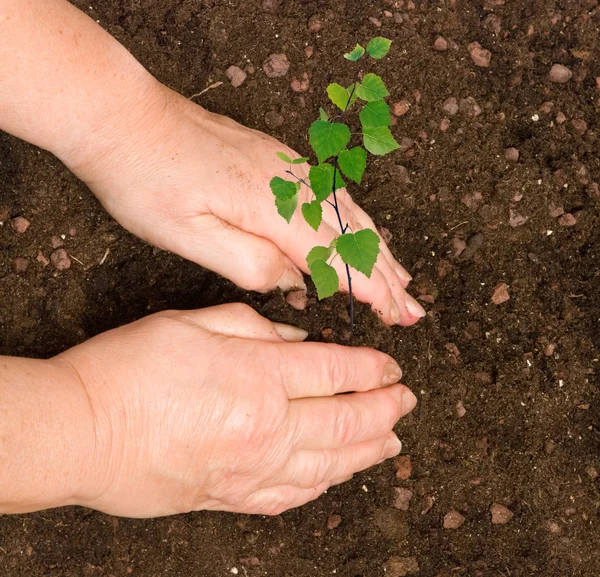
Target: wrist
46,435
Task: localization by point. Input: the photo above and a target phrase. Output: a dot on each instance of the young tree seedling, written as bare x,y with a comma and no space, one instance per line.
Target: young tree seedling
330,140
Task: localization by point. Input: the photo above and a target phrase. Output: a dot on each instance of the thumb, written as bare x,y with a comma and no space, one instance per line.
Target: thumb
250,261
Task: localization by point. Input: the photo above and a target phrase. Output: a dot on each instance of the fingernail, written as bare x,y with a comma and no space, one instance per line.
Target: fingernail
395,312
291,279
392,447
403,274
391,374
414,308
290,333
409,401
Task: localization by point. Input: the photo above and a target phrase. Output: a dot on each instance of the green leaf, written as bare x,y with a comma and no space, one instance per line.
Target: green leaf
371,88
375,114
284,156
378,47
283,189
286,207
321,180
359,250
354,95
338,95
355,54
319,253
313,213
325,278
328,138
379,140
353,163
323,115
300,160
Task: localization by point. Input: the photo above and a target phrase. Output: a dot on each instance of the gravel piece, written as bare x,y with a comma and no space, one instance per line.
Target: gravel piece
300,85
402,499
567,220
500,294
333,521
401,108
480,56
579,125
453,520
515,219
309,51
236,76
560,118
314,24
60,259
501,515
450,106
440,44
559,74
469,107
511,154
276,65
20,224
460,410
403,466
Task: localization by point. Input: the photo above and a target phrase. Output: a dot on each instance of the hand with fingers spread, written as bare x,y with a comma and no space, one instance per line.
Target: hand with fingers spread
259,433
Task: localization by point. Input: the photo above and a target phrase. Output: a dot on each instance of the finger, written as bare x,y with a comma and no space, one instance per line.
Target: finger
367,222
241,321
315,468
250,261
322,370
276,500
334,422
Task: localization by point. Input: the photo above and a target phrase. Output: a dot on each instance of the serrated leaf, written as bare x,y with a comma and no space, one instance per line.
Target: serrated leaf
301,160
338,95
319,253
286,207
323,115
328,138
359,250
355,54
325,278
284,156
313,213
378,47
379,140
371,88
283,189
321,180
375,114
353,163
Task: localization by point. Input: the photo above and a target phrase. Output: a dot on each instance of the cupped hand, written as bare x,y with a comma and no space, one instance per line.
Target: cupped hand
197,184
222,409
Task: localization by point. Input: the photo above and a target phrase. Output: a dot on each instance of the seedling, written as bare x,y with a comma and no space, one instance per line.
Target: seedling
330,140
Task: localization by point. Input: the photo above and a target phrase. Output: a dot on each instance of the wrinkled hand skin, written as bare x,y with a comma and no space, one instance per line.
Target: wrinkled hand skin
213,409
197,184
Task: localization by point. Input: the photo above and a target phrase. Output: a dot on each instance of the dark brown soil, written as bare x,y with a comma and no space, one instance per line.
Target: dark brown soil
530,437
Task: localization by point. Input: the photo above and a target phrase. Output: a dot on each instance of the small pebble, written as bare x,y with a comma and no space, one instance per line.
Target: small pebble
444,124
333,521
440,44
19,224
511,154
402,499
475,243
469,107
453,520
401,108
300,85
314,24
549,350
56,241
460,410
567,220
579,125
500,294
515,219
41,258
480,56
270,5
309,51
553,527
450,106
401,566
276,65
549,446
560,74
297,299
60,259
273,120
560,118
375,21
459,246
236,76
403,466
501,515
591,472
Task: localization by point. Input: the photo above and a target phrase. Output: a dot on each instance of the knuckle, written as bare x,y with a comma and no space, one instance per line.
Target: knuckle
337,369
346,423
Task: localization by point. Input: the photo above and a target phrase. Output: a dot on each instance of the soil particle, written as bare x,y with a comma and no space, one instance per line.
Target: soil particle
473,246
21,264
451,106
314,24
469,107
300,84
235,75
480,56
56,241
501,515
453,520
440,44
579,125
60,259
511,154
500,294
276,65
403,466
273,120
20,224
401,108
402,498
460,410
560,74
567,219
333,521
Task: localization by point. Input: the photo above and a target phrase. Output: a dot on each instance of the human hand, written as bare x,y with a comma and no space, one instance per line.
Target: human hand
213,409
197,184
